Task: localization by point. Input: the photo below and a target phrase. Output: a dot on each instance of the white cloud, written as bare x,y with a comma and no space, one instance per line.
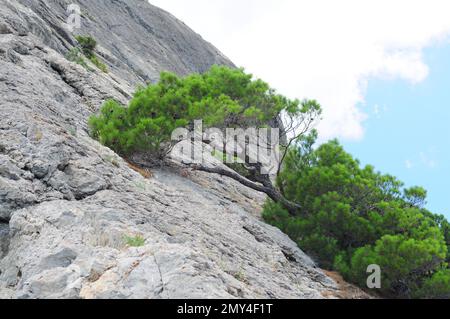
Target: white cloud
322,49
425,159
409,164
378,111
428,160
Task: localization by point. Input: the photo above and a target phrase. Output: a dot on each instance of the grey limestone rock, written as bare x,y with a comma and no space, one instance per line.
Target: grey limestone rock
67,203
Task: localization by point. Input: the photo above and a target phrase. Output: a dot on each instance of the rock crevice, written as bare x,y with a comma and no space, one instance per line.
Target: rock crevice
4,238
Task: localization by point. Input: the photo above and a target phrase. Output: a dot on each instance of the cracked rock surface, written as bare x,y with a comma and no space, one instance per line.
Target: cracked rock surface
67,203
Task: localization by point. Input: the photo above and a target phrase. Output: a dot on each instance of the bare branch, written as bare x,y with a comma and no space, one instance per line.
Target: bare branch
306,128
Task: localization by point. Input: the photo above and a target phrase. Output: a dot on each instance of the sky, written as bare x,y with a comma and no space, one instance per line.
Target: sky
380,69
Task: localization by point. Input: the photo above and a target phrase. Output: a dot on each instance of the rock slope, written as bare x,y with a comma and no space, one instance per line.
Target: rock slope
67,203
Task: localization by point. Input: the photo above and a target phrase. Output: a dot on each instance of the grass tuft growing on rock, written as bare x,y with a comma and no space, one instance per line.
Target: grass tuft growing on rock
88,45
100,65
75,55
134,241
86,49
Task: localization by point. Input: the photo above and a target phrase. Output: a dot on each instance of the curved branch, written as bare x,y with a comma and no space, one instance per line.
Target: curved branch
273,193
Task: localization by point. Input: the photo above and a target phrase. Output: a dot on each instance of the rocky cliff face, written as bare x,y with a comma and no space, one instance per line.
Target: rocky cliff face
67,203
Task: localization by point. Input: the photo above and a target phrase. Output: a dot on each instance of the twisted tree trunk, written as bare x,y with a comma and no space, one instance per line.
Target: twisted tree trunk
270,191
